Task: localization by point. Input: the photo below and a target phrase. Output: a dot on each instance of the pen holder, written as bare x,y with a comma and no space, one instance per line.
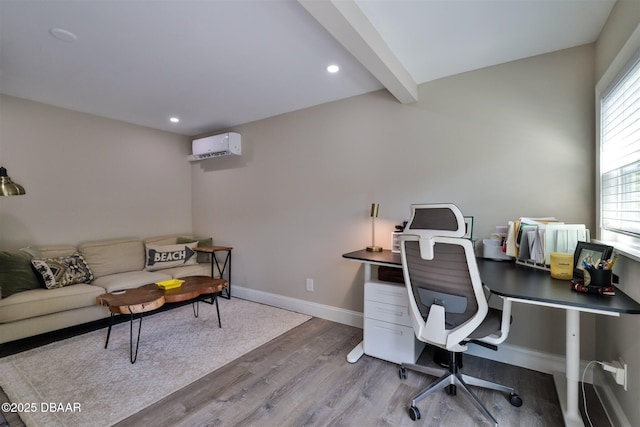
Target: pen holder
593,277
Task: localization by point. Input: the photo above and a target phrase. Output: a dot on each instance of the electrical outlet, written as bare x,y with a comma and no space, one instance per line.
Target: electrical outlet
621,377
309,285
618,370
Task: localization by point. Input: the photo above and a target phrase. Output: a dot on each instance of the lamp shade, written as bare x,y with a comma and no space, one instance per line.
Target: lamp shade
374,215
374,210
7,186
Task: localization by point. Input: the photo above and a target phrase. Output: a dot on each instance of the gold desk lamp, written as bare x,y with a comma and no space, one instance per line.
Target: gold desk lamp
374,215
8,187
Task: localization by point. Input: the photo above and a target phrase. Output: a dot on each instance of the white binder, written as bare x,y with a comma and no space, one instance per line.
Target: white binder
563,238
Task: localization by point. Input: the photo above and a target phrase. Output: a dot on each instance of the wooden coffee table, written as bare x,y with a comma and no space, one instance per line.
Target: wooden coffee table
137,301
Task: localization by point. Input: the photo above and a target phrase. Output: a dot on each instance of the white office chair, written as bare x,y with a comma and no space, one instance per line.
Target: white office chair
447,304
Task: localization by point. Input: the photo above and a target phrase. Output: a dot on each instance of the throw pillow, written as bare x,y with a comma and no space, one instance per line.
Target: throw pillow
167,256
16,274
62,271
202,257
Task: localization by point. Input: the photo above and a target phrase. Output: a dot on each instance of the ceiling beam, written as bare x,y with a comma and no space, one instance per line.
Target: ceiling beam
346,22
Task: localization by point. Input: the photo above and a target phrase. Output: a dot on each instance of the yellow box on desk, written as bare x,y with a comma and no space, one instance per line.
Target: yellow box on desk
561,265
170,284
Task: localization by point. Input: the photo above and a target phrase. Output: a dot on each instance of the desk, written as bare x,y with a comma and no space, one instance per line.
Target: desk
529,286
515,283
385,258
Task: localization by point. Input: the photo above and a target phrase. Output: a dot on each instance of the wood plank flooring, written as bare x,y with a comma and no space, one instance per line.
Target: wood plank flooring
302,379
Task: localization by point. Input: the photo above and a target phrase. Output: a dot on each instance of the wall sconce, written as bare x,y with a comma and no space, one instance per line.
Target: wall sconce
8,187
374,215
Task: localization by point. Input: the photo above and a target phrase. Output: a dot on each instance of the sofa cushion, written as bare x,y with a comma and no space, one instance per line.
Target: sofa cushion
55,251
167,256
38,302
16,273
189,270
169,239
202,257
113,256
128,280
62,271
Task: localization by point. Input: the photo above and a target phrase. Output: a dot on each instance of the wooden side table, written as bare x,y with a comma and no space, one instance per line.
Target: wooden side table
226,266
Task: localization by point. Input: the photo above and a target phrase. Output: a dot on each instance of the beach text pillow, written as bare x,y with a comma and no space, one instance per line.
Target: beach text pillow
167,256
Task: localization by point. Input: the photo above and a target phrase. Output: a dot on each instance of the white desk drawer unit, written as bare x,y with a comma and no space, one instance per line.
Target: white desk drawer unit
388,333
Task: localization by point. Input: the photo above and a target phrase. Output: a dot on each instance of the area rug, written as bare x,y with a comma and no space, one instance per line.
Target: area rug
76,382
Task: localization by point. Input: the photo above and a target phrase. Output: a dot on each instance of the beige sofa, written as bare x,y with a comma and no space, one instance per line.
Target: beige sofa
114,264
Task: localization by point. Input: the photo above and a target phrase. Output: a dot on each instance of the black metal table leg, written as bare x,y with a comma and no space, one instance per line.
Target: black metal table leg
106,343
133,357
218,309
214,300
227,264
196,308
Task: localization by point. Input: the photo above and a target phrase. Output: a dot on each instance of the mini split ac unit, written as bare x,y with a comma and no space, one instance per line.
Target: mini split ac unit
215,146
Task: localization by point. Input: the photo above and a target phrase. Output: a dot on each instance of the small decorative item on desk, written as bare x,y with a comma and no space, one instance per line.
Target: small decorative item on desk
395,238
468,227
170,284
597,279
374,215
561,265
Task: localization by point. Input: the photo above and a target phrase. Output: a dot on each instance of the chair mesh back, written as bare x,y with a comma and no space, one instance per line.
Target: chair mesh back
434,219
446,273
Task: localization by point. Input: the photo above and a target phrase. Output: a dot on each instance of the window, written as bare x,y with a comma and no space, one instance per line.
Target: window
618,149
620,154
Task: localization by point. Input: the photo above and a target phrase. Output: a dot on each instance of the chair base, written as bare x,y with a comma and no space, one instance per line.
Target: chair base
453,379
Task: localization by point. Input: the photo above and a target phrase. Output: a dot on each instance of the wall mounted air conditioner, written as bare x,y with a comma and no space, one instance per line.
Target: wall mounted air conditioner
215,146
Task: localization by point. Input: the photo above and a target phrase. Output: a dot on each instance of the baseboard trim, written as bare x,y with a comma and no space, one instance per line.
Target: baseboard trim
511,354
604,391
339,315
530,359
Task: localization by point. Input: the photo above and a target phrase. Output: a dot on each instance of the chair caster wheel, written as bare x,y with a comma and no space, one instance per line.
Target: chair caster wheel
414,413
402,372
515,400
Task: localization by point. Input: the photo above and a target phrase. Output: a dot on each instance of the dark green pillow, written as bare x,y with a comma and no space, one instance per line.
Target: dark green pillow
203,257
16,273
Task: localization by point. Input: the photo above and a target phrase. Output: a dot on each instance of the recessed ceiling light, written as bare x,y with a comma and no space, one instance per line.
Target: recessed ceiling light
64,35
174,120
333,68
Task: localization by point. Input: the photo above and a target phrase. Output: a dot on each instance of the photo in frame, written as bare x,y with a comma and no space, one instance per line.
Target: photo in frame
468,227
592,253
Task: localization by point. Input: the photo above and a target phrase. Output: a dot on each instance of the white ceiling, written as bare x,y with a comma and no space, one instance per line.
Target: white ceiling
220,63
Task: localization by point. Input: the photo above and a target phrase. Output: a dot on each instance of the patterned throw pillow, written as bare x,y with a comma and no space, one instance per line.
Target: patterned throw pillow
167,256
63,271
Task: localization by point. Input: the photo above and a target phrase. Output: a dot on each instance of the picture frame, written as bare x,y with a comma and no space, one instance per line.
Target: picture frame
468,227
592,252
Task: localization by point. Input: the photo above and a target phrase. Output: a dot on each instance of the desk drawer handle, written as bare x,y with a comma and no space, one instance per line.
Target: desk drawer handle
390,311
392,293
391,330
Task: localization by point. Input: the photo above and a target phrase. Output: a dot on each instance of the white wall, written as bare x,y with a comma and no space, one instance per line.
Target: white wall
503,142
88,177
618,336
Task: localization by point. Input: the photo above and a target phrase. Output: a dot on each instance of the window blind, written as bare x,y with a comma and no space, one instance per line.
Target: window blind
620,152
